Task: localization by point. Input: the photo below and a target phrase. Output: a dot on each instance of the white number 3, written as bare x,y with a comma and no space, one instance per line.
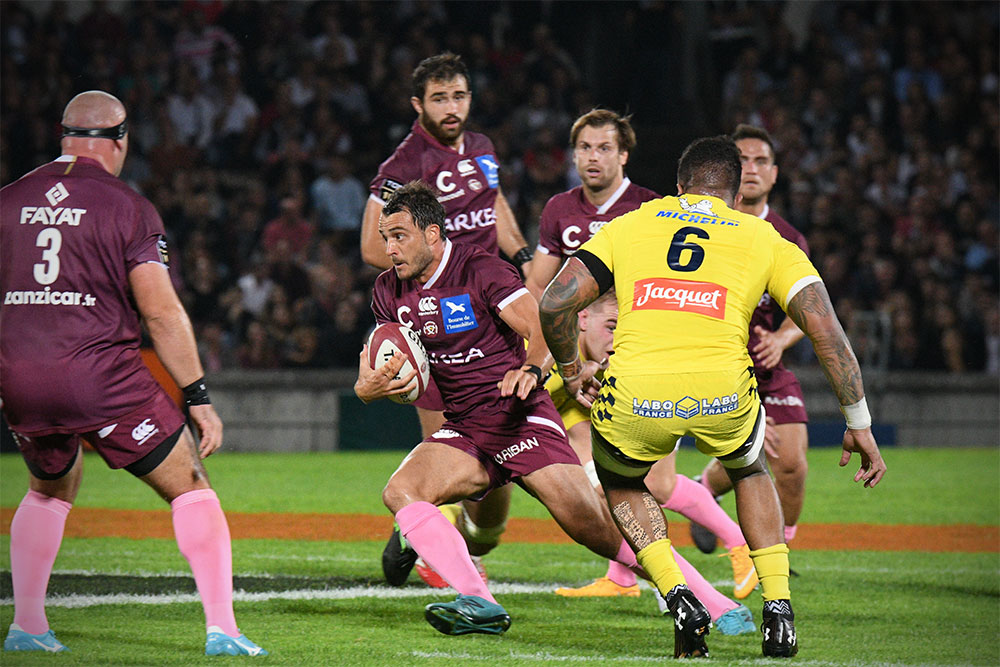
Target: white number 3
47,271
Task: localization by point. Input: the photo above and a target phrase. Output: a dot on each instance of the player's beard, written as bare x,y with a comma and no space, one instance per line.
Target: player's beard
413,268
446,136
753,201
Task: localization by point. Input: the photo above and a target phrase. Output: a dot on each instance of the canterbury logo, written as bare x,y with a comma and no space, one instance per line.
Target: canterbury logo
427,305
143,431
680,295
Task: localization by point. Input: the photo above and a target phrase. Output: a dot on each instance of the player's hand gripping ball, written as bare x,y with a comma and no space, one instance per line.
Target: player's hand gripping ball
390,339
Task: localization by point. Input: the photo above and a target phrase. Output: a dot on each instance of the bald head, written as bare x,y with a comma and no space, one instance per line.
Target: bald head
94,127
93,109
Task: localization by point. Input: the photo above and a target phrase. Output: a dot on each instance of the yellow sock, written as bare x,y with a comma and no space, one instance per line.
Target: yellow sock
771,564
451,512
658,561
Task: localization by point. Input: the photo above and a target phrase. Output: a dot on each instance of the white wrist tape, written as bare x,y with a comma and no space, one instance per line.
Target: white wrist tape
857,415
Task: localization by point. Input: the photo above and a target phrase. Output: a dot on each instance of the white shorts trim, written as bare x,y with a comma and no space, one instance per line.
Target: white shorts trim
758,444
546,422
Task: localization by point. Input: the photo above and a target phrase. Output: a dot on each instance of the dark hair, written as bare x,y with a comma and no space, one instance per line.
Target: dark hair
744,131
600,118
442,67
711,163
417,198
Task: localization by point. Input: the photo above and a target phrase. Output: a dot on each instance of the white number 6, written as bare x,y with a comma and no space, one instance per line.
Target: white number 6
49,238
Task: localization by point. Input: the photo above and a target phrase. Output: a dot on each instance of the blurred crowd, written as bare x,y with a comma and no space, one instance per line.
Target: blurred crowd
255,128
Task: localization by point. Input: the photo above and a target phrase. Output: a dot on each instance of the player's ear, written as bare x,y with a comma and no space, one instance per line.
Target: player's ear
432,234
417,105
737,199
680,189
623,158
583,319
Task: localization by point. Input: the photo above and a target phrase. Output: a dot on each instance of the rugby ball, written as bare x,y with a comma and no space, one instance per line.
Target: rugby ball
391,339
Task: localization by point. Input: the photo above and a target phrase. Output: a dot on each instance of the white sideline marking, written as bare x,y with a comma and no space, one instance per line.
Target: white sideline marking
541,656
382,592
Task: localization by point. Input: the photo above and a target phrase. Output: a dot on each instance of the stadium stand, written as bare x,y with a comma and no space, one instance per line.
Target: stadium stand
886,117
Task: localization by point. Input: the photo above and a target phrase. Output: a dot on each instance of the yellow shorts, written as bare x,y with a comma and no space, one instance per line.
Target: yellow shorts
644,416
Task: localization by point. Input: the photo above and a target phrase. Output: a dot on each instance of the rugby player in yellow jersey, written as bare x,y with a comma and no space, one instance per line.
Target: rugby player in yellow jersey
688,272
597,329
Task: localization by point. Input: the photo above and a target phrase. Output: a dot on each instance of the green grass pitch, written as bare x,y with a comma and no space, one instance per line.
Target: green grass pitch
323,603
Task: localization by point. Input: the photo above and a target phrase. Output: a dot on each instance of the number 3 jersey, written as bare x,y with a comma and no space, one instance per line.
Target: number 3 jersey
466,181
688,273
69,334
457,313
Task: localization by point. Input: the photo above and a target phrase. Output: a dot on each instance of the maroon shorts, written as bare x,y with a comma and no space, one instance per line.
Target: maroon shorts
120,442
511,445
782,396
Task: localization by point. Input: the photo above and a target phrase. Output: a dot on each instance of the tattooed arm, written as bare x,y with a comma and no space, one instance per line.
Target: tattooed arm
812,311
573,289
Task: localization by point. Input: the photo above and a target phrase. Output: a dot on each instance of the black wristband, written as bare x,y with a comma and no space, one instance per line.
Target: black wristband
196,393
531,368
522,256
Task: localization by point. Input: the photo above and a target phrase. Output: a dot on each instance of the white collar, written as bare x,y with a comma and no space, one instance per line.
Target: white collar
615,197
444,262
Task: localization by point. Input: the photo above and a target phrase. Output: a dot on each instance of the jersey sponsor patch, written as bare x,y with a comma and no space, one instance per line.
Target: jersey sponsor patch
56,193
792,401
680,295
685,408
161,248
491,169
388,187
457,314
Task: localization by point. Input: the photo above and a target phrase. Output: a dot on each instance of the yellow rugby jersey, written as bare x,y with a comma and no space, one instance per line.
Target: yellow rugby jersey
689,272
572,413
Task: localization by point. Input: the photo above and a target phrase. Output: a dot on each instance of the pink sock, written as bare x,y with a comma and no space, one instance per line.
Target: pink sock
443,548
203,538
35,535
620,574
703,480
716,603
626,559
790,532
693,501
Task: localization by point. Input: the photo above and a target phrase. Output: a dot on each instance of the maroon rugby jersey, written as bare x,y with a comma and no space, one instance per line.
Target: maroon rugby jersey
766,311
569,219
457,315
466,180
69,346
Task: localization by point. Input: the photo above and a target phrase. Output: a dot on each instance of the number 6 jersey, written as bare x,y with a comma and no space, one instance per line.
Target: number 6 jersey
70,232
688,272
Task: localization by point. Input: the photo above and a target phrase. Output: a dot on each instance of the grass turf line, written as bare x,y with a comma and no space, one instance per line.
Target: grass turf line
922,486
852,608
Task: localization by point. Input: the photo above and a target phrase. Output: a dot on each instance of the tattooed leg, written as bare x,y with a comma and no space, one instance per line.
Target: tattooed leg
637,514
